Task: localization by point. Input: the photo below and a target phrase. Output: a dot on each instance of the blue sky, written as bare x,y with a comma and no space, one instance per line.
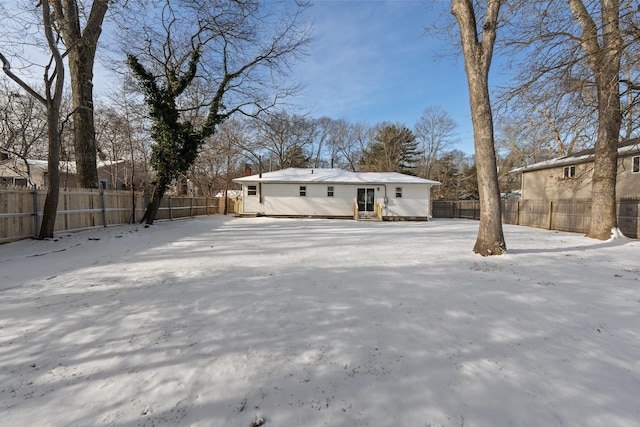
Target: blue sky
373,62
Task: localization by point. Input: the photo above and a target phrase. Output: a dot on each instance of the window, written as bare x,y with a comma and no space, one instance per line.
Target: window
329,191
569,171
398,192
303,191
635,164
252,190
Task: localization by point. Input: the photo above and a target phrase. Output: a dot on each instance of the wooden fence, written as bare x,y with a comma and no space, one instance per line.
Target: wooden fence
79,209
562,215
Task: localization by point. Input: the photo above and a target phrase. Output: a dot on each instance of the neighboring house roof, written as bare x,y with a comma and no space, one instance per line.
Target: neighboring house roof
68,167
333,176
626,148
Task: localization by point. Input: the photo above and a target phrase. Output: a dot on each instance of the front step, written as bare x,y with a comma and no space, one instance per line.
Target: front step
368,216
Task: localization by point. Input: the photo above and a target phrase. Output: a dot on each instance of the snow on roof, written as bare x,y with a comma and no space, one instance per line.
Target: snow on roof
68,167
335,176
560,161
624,148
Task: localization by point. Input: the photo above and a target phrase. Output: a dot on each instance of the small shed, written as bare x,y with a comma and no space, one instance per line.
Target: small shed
336,193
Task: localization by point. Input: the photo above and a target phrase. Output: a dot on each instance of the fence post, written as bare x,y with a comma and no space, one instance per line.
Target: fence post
35,211
517,212
191,208
170,210
104,207
133,205
550,214
206,205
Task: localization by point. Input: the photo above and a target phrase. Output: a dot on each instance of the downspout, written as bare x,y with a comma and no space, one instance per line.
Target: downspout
385,200
260,184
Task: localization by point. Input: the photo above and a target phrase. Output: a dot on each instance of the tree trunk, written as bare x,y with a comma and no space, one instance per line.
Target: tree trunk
605,167
154,204
50,209
81,60
82,45
603,51
490,240
53,100
477,61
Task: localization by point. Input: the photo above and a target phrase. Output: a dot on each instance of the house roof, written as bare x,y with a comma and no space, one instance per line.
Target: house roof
625,148
333,176
65,166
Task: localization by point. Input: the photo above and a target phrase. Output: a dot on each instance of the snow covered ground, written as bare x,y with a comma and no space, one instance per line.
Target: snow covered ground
221,321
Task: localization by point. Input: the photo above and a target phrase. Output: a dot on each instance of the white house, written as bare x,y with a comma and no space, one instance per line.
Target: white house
335,193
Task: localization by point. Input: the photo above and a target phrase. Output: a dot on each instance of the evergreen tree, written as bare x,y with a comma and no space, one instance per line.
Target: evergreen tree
394,149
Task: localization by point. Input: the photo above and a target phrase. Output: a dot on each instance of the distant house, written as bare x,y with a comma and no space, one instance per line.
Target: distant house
570,177
13,171
335,193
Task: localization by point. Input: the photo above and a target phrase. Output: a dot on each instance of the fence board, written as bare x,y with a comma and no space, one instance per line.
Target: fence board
16,218
90,208
561,215
629,216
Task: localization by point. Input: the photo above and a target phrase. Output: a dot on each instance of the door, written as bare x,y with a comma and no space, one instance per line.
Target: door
366,198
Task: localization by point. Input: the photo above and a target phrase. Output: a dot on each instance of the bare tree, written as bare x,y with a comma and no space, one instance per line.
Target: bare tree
81,51
323,131
603,49
221,158
23,123
51,99
435,133
347,142
577,48
477,49
451,170
129,131
287,139
549,119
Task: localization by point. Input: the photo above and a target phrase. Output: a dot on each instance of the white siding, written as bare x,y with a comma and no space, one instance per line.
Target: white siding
285,199
414,201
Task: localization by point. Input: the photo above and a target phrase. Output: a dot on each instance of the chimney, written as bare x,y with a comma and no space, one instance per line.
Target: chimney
247,169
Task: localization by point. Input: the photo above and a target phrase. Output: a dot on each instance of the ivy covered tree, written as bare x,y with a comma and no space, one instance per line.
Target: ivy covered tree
176,141
234,50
